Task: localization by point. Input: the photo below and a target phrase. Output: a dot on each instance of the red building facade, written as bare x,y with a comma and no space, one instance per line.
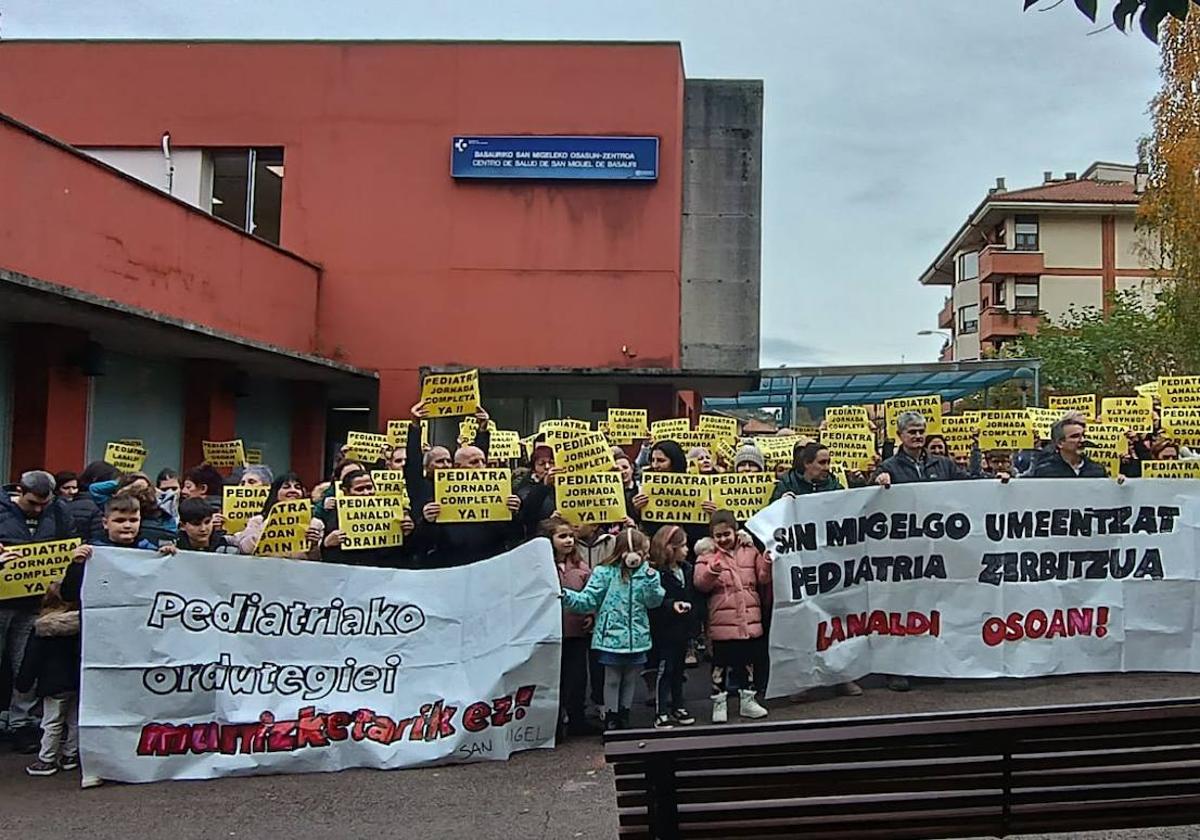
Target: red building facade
385,265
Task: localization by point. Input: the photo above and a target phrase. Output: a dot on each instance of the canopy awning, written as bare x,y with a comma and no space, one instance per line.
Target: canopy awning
820,387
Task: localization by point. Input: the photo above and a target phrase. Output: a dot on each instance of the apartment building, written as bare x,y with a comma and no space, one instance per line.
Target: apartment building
1026,254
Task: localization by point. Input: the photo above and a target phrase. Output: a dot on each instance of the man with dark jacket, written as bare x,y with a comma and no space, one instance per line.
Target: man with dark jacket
912,463
31,514
1068,460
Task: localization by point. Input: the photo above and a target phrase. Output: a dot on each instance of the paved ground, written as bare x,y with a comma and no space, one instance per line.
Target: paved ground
564,793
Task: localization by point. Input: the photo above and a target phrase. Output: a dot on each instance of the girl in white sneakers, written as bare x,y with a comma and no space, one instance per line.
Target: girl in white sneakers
731,569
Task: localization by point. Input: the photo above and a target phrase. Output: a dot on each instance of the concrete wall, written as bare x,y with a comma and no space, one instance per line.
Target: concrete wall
6,392
264,421
1059,294
1146,287
138,398
1070,241
722,224
965,293
1132,246
190,182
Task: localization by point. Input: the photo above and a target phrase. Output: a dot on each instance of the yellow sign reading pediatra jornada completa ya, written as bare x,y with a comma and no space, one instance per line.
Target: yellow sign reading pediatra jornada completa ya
473,495
451,394
37,566
590,497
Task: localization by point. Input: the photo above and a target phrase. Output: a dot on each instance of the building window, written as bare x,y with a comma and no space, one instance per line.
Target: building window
247,189
968,319
968,266
1026,296
1026,233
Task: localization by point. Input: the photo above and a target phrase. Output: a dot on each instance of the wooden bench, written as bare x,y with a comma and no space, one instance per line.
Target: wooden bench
956,774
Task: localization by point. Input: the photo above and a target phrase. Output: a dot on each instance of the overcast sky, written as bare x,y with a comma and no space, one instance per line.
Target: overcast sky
885,122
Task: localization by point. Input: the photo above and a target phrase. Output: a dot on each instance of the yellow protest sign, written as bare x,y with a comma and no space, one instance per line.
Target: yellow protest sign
224,453
397,432
1179,391
929,407
284,531
1182,425
125,457
812,432
473,495
138,442
451,394
1042,420
589,452
777,449
726,453
676,498
1085,404
253,456
564,427
1171,469
1107,458
838,471
505,445
468,428
390,483
1134,414
1006,430
1148,389
668,429
851,447
371,521
239,503
590,497
37,566
847,417
959,430
718,427
366,446
690,440
742,494
1106,436
628,424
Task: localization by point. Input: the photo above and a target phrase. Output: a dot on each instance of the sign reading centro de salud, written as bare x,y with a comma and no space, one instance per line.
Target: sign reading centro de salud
573,158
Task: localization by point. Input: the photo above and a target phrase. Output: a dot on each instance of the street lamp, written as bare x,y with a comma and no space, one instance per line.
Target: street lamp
946,333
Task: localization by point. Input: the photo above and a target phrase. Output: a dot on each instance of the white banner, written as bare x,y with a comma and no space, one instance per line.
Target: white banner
205,665
983,579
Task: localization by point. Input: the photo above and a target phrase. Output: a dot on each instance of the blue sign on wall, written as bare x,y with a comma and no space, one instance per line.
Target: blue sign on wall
556,158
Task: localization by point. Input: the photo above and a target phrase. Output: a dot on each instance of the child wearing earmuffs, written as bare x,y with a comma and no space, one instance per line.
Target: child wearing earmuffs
621,591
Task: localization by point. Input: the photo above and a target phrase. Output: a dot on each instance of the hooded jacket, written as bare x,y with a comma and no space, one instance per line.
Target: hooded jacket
573,574
794,482
52,658
904,469
1054,466
54,523
622,606
733,580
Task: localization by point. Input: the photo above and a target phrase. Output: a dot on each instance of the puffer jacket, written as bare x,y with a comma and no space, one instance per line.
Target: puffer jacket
733,581
574,575
622,606
51,663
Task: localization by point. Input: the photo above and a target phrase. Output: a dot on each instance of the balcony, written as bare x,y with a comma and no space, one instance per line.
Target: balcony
997,260
946,315
947,354
999,324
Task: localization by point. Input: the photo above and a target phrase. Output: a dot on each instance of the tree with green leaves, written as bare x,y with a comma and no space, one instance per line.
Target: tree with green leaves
1149,14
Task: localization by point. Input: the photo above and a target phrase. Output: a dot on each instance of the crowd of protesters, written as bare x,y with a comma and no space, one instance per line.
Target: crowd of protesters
643,601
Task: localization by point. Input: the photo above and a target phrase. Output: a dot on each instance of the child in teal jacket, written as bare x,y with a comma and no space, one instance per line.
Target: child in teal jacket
621,591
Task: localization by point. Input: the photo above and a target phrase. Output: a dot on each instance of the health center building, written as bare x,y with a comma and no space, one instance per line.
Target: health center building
274,241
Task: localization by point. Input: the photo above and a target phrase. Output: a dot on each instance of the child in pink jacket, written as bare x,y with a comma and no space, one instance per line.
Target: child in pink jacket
731,570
